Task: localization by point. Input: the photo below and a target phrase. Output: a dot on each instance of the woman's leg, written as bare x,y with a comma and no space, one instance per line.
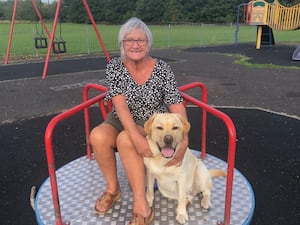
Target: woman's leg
134,167
103,141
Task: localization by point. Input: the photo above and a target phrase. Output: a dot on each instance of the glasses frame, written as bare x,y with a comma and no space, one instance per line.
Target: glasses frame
139,42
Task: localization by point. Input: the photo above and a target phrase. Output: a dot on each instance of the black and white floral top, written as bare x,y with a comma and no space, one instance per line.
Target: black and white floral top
144,100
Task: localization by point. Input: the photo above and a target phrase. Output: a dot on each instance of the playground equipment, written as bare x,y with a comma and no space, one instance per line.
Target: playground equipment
58,45
79,181
269,16
87,8
40,40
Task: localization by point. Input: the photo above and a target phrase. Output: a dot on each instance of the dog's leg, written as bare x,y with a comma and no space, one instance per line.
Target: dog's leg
182,215
205,201
150,188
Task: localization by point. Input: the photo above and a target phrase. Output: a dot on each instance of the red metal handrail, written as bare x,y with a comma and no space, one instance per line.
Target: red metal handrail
231,150
204,114
49,150
103,110
100,98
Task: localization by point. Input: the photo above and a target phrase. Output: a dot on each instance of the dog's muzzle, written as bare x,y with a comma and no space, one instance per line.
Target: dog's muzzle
168,150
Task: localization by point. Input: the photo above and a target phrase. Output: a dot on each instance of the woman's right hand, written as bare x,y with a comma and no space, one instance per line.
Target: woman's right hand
142,146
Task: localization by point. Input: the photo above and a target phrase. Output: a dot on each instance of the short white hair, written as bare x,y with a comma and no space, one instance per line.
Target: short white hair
132,24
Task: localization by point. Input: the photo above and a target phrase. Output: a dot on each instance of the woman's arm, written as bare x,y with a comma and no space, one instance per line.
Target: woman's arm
136,135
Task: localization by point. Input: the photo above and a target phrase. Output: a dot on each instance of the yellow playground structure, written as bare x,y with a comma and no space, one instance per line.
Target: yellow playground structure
267,16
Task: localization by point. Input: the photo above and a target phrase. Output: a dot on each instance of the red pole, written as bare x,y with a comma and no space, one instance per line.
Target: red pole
96,29
42,21
87,115
11,31
204,113
51,38
231,151
50,153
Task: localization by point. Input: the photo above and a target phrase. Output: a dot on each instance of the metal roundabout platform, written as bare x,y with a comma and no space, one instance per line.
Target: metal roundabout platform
80,182
68,196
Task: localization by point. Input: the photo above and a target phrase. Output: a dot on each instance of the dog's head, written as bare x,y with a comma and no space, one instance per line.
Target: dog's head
165,131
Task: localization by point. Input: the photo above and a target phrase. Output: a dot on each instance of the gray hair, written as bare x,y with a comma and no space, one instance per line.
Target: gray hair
130,25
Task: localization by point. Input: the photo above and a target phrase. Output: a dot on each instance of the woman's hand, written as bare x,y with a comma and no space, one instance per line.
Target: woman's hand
142,146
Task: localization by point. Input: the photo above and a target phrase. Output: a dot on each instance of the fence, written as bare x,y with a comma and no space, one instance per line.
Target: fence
81,39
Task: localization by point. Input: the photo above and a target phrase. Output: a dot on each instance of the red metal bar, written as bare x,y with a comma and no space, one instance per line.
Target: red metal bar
231,150
49,150
12,24
88,102
87,8
204,114
51,38
87,114
42,22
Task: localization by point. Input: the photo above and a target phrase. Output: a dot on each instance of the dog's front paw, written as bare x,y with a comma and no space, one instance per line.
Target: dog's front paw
182,217
205,203
150,198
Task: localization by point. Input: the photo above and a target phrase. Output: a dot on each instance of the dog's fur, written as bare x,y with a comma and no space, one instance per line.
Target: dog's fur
164,134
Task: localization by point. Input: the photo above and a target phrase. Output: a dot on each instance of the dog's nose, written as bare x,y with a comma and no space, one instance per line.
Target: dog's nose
168,139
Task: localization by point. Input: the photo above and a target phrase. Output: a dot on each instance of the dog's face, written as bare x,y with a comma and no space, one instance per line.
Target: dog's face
166,131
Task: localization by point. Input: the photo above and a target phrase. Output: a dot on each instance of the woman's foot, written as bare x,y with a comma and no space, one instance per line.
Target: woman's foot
138,219
106,201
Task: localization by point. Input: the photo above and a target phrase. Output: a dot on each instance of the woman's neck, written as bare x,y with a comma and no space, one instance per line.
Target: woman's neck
140,70
136,65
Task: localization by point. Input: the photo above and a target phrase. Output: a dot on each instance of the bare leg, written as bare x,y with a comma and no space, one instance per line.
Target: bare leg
134,167
103,141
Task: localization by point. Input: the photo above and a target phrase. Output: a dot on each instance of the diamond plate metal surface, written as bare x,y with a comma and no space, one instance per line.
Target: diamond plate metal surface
80,182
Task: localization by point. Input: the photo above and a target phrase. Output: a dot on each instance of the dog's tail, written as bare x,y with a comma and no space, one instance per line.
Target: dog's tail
217,173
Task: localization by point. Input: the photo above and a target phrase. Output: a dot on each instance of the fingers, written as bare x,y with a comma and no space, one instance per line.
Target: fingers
174,162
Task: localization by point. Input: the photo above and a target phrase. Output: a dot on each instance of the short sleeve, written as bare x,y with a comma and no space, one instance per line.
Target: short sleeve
114,78
171,92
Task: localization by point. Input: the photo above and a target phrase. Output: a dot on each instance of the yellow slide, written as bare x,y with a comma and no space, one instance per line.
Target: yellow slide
273,15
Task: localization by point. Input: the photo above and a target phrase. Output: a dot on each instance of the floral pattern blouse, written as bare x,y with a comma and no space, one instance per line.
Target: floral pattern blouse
159,91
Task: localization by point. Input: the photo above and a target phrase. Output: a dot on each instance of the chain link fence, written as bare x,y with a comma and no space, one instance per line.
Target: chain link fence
81,39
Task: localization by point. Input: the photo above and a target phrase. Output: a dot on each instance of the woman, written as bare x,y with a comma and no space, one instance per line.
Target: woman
138,86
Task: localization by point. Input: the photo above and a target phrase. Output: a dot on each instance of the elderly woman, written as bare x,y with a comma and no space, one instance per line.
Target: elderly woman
138,86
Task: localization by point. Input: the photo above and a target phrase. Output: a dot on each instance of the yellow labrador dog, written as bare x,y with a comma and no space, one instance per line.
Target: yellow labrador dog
164,134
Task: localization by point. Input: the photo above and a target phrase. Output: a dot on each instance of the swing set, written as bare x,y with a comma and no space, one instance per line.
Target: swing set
41,41
57,45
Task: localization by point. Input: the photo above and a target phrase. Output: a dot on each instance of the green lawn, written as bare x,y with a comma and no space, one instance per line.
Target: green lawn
81,38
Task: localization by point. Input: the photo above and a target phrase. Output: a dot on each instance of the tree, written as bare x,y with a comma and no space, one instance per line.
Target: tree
150,11
117,11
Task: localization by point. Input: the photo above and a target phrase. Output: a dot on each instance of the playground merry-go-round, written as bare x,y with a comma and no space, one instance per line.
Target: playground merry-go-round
68,195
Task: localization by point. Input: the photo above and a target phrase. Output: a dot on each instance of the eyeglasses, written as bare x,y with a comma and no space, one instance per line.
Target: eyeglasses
140,42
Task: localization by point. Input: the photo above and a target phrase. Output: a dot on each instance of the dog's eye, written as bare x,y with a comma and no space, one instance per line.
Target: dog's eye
159,128
175,128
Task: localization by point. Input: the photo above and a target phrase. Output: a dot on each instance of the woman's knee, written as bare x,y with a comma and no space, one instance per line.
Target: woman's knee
102,135
124,141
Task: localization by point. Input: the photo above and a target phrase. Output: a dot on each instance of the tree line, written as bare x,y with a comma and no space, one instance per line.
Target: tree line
118,11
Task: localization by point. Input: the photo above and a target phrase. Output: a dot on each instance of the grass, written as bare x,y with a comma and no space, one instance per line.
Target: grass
243,60
81,38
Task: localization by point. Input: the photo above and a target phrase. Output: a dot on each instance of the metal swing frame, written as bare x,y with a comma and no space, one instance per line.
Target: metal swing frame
59,46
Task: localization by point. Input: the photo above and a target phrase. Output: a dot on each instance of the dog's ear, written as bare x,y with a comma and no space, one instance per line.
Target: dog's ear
148,124
186,125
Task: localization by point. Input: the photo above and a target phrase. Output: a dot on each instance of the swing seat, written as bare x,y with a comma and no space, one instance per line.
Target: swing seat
59,47
40,42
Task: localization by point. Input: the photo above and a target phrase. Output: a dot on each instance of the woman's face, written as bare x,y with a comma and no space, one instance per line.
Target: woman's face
135,45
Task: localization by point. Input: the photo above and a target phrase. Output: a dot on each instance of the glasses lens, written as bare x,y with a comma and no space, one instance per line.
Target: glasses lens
130,42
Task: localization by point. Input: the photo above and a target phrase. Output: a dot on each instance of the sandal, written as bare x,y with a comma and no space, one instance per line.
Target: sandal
106,201
138,219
